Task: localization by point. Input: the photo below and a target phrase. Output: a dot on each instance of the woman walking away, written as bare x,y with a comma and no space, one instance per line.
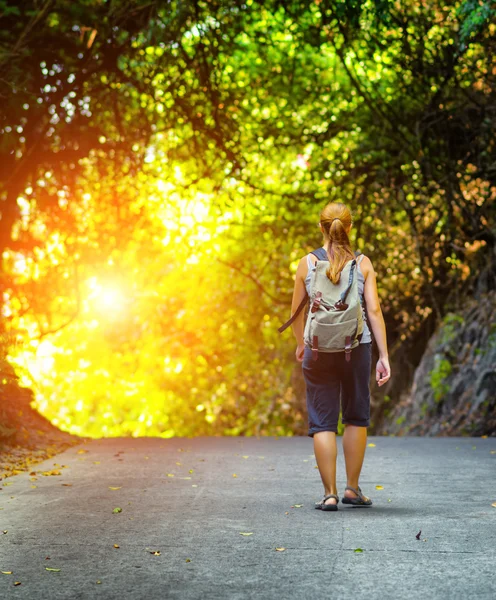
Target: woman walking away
330,373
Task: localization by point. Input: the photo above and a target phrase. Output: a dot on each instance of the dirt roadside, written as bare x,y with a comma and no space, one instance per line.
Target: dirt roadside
26,437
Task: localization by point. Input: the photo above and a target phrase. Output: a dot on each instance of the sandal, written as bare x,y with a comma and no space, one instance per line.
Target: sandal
324,506
360,501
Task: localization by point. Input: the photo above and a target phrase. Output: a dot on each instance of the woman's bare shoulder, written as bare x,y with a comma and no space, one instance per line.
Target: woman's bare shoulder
302,268
366,266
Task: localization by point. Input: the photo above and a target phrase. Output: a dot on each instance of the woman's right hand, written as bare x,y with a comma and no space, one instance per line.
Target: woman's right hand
300,352
382,371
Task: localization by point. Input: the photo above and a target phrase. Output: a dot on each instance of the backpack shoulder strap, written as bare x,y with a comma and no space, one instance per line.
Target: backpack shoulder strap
321,254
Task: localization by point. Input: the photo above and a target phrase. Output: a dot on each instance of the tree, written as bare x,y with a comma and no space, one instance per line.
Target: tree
175,157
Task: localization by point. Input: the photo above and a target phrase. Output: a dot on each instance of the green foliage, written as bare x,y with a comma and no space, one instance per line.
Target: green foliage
442,369
450,327
491,339
162,168
474,16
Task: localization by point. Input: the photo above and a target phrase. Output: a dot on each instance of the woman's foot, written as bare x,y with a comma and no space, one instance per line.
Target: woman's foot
328,502
350,494
331,500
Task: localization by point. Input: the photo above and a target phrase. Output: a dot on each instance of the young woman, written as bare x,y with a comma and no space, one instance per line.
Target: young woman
331,374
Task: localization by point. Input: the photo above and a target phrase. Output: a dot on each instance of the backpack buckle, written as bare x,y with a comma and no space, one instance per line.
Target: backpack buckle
315,347
347,348
316,302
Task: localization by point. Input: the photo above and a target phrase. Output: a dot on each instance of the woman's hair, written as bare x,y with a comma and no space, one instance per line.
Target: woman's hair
335,218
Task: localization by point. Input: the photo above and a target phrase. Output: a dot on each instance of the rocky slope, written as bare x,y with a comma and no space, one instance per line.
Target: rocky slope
454,386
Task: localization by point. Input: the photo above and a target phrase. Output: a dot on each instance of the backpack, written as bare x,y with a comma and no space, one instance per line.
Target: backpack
335,319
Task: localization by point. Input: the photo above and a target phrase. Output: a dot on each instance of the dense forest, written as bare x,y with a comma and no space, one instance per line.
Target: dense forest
162,169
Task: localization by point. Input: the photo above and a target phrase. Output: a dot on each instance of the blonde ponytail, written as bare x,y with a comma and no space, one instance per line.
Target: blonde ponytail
335,219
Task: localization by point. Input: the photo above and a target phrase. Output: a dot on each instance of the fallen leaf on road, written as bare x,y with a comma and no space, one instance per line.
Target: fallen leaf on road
494,504
379,487
358,550
234,475
371,445
7,572
51,569
52,472
96,462
17,583
82,451
114,488
5,531
245,533
246,456
117,510
418,534
155,552
492,451
66,484
116,546
297,505
170,474
280,549
188,560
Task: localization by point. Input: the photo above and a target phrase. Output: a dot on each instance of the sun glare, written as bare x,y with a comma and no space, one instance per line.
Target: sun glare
105,297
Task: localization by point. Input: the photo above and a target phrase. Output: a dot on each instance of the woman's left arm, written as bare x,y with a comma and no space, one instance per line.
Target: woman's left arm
299,293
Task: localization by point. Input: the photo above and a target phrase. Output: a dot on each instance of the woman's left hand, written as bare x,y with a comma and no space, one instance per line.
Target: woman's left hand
300,351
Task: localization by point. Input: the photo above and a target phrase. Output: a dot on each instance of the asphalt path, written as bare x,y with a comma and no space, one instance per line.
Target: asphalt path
234,518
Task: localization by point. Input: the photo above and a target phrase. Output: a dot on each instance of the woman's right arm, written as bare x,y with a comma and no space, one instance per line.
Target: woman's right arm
374,313
299,293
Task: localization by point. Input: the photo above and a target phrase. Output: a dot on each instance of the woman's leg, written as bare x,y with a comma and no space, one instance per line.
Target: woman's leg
356,412
354,444
326,451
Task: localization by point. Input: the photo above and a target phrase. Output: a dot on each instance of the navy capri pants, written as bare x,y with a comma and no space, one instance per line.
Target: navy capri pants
331,378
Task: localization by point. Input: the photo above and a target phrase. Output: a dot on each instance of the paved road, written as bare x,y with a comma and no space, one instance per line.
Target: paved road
223,487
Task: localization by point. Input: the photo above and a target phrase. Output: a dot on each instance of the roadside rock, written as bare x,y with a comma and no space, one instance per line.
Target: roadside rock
454,386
